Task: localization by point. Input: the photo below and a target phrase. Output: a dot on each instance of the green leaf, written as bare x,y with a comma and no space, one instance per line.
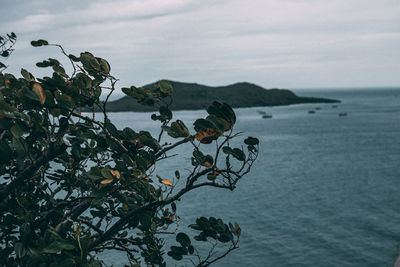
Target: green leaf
191,249
177,174
89,62
177,129
106,173
183,239
236,153
165,114
211,177
19,250
57,246
31,94
224,113
175,256
39,43
6,152
16,131
17,143
104,65
173,206
203,124
251,141
67,263
28,76
74,58
165,87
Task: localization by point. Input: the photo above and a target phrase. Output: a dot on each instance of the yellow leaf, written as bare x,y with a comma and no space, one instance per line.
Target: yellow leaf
125,207
207,136
115,173
171,218
207,164
38,89
106,181
166,182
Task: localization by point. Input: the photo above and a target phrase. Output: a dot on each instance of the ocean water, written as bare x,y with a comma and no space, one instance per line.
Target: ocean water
325,190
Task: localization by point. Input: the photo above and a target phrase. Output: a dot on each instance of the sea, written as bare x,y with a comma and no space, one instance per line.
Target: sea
324,191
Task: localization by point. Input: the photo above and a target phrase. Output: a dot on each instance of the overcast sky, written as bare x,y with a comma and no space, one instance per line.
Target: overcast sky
273,43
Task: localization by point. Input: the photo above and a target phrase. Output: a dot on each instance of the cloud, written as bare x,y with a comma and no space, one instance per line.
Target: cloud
222,41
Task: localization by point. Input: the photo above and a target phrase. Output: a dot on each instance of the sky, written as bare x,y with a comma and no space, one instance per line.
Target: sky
272,43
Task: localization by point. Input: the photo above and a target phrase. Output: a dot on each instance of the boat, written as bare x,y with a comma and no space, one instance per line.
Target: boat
343,114
267,116
311,112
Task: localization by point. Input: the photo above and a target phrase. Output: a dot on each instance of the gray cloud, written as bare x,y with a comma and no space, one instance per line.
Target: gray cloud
274,43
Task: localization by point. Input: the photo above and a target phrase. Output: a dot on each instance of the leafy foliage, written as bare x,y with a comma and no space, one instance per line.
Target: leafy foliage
6,47
72,186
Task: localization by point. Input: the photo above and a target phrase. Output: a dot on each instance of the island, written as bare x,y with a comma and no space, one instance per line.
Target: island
193,96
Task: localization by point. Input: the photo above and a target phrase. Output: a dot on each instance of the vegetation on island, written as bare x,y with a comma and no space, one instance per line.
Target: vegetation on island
192,96
73,185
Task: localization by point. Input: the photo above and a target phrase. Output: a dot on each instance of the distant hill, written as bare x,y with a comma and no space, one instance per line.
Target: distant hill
192,96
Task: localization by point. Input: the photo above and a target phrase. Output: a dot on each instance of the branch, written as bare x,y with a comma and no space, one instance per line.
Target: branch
206,262
185,140
104,130
28,172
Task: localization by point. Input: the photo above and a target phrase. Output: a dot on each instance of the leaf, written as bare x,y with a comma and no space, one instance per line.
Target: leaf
19,250
236,153
16,131
224,113
165,112
106,181
115,173
251,141
106,172
166,182
208,161
191,249
39,43
6,152
165,87
183,239
211,176
105,66
207,136
177,129
173,206
57,246
18,145
74,58
38,89
203,124
67,263
89,62
26,75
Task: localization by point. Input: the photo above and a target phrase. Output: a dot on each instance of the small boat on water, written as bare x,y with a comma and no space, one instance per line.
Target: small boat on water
261,112
267,116
343,114
311,112
318,108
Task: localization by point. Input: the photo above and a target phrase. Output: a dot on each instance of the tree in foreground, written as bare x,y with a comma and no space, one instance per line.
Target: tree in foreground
73,186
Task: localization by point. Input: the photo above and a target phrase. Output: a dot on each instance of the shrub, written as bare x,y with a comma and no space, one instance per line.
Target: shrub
72,186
